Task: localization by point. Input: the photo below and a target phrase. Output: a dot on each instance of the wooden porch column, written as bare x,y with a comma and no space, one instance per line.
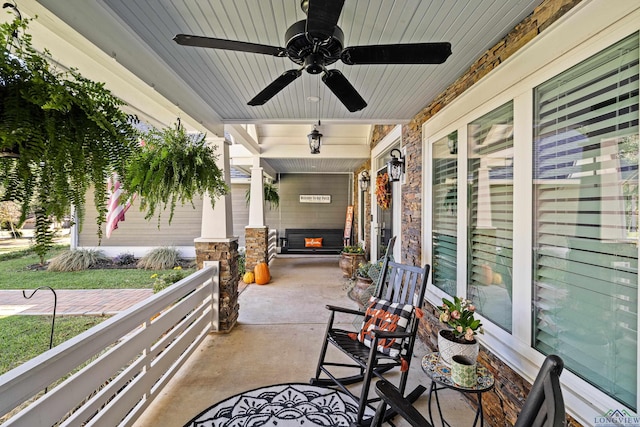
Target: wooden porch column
217,243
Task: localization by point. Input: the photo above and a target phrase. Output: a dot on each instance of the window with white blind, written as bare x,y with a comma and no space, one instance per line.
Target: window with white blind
490,222
585,231
444,212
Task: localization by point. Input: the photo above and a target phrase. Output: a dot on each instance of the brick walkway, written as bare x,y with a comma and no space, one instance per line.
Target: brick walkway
71,302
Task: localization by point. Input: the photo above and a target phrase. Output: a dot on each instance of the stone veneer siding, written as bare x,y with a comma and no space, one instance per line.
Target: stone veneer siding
257,246
501,405
227,253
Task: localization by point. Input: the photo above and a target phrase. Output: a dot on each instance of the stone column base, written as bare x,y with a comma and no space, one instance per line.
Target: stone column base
225,251
257,246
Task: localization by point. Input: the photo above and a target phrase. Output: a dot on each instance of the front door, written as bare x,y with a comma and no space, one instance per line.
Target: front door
385,198
384,211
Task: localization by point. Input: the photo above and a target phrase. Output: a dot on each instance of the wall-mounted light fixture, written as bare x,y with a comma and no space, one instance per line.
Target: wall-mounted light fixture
364,181
315,140
395,166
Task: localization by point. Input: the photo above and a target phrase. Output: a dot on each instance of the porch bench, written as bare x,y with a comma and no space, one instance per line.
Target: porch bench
294,241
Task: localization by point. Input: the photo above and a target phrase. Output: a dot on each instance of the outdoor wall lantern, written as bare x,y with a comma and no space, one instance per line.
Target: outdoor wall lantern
364,181
315,140
395,166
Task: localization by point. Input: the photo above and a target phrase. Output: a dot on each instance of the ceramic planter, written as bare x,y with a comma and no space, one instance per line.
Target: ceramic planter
449,348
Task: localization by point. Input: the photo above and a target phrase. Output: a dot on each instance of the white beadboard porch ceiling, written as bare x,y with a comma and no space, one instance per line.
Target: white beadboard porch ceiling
139,33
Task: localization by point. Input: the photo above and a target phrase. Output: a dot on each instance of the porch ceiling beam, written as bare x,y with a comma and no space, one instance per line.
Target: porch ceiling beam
326,151
242,137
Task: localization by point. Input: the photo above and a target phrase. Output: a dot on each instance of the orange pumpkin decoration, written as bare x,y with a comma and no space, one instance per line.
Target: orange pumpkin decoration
261,272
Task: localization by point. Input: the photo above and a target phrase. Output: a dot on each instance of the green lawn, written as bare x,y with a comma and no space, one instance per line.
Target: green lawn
25,337
15,274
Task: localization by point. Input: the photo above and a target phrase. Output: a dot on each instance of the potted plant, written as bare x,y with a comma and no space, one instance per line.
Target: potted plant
61,134
363,285
270,192
172,166
460,338
350,258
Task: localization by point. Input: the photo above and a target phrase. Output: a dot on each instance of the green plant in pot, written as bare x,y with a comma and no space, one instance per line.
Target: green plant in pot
270,195
350,258
61,134
459,315
172,167
362,287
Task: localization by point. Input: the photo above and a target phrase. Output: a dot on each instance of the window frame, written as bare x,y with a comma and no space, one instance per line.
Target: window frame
560,47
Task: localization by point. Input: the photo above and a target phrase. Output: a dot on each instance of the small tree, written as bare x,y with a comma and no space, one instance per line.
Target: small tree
10,217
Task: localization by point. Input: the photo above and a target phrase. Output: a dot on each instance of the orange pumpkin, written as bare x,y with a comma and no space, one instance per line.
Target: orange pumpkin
261,272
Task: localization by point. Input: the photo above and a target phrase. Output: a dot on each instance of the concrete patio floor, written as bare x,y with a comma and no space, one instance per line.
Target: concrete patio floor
277,340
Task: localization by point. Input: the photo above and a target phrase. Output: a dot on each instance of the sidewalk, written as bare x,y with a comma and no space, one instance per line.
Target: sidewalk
71,302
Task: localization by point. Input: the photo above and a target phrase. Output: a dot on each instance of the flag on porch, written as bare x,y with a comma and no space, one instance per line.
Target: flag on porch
116,207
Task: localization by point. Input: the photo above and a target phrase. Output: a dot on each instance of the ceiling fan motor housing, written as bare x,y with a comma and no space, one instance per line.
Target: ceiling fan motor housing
299,47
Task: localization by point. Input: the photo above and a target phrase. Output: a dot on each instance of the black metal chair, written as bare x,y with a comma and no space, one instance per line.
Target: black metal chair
398,283
544,406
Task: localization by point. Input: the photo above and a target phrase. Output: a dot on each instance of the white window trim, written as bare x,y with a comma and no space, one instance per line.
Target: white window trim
587,29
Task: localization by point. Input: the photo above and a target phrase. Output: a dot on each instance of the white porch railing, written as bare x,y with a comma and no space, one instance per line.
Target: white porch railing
129,358
272,244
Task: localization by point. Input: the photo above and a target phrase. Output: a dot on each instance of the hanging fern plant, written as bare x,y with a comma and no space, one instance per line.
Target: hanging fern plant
270,192
61,134
172,167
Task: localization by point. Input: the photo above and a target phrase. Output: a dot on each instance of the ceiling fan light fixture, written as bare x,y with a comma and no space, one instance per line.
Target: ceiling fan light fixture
317,42
315,140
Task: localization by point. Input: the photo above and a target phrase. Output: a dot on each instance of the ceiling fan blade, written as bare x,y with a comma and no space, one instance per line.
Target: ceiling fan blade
346,93
411,53
276,86
210,42
322,18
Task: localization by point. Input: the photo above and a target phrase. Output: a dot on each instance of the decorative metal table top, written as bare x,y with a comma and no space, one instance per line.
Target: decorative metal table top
441,373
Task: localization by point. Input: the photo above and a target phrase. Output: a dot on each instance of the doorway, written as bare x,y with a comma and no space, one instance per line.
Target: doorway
386,211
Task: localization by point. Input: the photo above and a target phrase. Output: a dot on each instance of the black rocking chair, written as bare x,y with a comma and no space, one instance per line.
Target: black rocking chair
398,283
544,406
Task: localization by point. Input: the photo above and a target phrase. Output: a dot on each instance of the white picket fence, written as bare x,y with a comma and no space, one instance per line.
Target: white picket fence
128,358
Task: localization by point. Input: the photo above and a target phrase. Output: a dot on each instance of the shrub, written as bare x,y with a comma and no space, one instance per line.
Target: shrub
163,281
160,259
124,259
76,260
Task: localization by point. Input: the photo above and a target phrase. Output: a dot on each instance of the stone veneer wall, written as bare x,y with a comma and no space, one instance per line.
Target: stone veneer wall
502,405
257,246
227,253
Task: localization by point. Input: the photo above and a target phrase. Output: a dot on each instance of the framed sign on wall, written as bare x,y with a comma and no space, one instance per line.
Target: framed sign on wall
315,198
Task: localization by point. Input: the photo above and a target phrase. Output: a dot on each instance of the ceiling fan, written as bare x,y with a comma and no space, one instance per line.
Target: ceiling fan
316,42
